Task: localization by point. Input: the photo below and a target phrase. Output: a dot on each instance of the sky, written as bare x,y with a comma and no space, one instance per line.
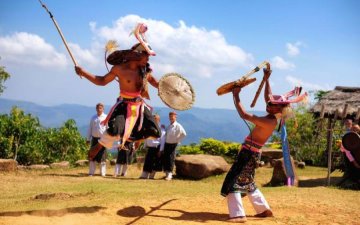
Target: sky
314,44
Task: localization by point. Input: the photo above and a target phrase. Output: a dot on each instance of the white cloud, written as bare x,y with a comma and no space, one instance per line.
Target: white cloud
189,49
30,49
308,86
293,49
85,56
280,63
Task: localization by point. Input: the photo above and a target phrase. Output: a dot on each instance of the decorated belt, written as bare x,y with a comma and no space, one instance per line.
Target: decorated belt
137,99
252,146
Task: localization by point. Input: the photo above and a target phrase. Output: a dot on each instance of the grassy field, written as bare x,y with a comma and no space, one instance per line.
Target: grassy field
69,196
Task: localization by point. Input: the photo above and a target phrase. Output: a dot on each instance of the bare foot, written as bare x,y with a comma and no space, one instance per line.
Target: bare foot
238,219
266,213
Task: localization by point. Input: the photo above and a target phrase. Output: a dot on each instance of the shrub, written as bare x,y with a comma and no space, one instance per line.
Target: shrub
212,147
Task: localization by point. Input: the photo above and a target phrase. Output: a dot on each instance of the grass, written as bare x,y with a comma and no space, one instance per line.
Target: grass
297,205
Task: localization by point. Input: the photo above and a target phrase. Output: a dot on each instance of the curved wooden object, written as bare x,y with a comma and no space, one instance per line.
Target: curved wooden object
226,88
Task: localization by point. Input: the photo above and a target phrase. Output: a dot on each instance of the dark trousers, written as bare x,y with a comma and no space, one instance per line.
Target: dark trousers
169,157
152,161
101,155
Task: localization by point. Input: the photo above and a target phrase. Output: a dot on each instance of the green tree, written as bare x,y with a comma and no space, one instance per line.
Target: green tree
307,137
3,77
69,143
319,94
25,140
17,129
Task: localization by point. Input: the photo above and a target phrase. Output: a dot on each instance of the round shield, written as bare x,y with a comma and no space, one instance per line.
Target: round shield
351,141
176,92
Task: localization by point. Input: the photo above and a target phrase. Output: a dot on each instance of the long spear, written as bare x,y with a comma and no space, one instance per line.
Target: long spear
58,29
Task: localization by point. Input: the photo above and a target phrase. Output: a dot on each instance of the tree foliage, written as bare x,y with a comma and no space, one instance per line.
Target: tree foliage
307,137
3,77
24,139
212,146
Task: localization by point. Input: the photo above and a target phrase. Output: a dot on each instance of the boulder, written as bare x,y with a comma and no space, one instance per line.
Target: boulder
8,165
38,167
63,164
279,176
113,162
301,165
82,162
269,154
200,166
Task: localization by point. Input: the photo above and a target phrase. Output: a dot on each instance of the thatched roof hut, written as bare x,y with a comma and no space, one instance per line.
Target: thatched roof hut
342,102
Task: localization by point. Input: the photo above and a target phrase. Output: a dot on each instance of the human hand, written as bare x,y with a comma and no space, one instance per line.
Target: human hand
236,90
267,74
79,71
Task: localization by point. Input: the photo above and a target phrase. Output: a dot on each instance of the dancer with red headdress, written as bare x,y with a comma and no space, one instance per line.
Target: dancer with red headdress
240,178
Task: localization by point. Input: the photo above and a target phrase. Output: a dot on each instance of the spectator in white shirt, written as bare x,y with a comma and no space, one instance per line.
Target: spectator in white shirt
154,148
96,129
175,133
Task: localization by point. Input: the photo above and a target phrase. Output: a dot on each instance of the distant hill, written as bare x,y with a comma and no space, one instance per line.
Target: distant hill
221,124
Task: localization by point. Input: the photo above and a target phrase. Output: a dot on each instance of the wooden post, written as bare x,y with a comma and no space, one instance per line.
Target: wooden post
344,112
322,112
357,117
329,148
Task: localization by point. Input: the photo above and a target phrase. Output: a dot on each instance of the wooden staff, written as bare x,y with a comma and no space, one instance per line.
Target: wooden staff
259,88
61,35
242,82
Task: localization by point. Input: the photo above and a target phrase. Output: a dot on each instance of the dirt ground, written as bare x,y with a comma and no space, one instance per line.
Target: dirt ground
305,206
175,211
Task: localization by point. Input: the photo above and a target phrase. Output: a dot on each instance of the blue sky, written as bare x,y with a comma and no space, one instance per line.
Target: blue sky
315,44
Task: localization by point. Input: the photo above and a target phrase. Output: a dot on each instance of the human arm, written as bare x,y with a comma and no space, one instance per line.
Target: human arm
162,139
98,80
258,121
239,107
152,80
267,91
181,133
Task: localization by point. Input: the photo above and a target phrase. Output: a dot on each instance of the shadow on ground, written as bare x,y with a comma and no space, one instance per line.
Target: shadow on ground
139,212
318,182
57,212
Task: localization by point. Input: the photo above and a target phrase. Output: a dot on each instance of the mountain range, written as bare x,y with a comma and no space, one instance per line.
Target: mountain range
220,124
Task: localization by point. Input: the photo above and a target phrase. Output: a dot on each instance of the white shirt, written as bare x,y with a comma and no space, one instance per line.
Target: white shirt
175,133
95,128
154,143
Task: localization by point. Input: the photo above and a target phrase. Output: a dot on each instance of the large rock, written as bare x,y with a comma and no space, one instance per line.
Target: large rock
8,165
63,164
269,154
200,166
279,176
38,167
82,162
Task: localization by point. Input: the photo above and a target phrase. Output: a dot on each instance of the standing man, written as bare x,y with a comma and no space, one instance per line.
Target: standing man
155,148
96,129
124,158
240,178
348,125
175,133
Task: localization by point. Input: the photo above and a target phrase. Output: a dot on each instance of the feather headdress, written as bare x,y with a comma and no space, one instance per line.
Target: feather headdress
110,47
